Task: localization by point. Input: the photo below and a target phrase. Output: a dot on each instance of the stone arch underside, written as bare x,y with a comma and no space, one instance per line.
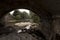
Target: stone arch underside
35,6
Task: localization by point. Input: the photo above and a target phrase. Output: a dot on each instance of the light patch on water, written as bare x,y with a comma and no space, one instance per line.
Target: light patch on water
22,24
28,27
19,31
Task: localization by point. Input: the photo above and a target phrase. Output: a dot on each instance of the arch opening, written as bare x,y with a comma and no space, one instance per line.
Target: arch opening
22,18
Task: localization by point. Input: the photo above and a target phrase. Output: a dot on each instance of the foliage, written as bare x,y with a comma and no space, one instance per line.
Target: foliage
20,16
23,16
35,17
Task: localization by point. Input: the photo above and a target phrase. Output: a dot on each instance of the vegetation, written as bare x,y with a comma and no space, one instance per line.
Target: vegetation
24,16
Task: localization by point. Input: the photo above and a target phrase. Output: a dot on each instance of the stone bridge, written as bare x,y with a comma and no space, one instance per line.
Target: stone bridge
48,10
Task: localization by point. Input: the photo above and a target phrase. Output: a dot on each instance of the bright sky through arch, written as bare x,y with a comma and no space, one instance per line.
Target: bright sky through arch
24,10
21,10
11,13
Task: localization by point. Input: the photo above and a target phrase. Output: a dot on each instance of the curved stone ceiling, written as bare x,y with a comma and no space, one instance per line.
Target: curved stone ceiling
52,6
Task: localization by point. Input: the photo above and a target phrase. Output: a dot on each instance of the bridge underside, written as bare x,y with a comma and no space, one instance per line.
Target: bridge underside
48,10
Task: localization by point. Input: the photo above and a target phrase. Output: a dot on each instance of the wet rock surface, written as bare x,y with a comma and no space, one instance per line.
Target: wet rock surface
30,34
14,36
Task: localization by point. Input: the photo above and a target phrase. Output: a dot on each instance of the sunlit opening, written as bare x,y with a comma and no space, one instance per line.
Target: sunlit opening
11,13
22,18
21,10
24,10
